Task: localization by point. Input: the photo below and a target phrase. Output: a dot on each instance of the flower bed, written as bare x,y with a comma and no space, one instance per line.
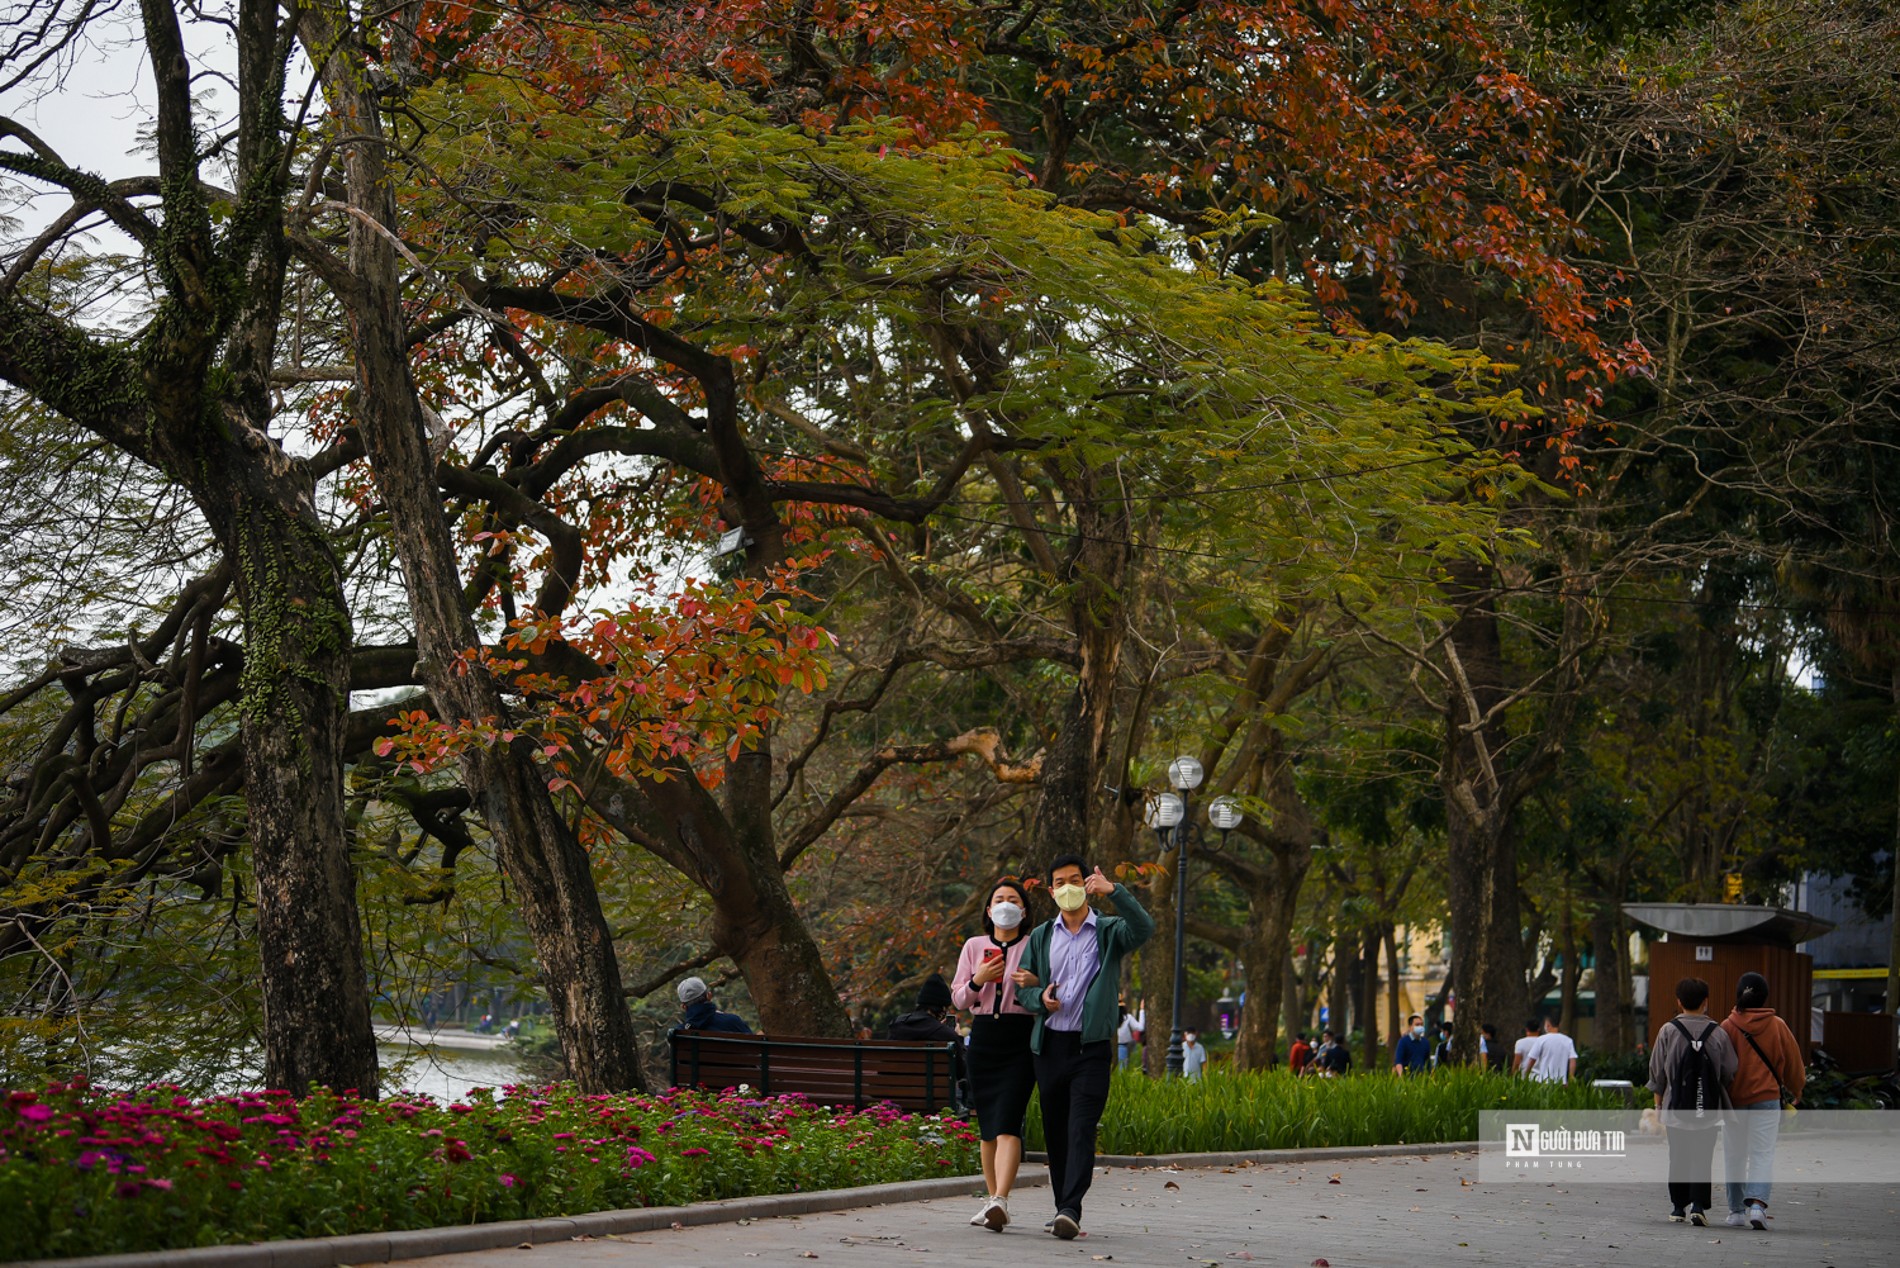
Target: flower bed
84,1172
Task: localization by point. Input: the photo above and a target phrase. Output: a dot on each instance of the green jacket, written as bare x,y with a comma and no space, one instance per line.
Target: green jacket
1115,937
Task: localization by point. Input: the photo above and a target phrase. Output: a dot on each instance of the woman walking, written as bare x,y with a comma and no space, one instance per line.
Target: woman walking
1002,1070
1768,1068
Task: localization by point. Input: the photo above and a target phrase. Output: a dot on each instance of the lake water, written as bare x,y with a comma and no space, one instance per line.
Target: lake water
443,1074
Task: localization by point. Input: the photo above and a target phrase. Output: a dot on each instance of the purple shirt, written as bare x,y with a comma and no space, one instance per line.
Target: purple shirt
1074,960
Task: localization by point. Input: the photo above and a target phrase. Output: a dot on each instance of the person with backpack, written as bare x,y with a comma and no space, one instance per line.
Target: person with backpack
1690,1066
1768,1071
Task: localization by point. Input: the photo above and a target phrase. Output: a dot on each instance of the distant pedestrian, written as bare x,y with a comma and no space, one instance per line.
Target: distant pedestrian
1553,1057
1127,1037
1079,954
1300,1055
1768,1070
1412,1054
698,1012
1520,1054
1331,1059
1441,1055
1490,1051
1002,1069
1689,1071
1193,1055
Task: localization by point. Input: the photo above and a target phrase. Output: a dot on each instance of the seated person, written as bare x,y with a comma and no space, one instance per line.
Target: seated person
930,1019
698,1012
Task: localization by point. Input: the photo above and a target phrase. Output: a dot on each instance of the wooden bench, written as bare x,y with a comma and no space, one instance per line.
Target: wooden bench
918,1076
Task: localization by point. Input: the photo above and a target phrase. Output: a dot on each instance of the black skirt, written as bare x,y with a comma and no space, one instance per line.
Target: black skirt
1002,1072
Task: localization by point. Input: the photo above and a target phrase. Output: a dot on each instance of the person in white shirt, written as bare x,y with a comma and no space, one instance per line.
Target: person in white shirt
1521,1053
1128,1034
1553,1056
1193,1055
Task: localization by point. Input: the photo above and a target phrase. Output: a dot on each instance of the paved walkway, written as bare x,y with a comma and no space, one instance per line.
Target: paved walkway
1409,1212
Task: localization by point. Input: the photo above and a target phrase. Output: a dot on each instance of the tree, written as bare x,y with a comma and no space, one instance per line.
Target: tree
187,394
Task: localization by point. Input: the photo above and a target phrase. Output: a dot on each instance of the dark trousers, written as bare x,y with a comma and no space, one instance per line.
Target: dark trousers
1691,1167
1072,1079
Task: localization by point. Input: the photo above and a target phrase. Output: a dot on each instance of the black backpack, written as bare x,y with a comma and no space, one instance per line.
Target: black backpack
1695,1089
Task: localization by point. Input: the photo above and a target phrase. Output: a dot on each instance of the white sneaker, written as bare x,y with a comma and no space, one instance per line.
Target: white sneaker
1758,1217
996,1216
1736,1219
982,1216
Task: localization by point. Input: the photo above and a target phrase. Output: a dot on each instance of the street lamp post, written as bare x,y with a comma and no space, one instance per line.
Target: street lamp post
1170,815
1184,774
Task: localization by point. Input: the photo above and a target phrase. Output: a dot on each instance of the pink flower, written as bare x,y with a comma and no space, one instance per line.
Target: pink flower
159,1184
694,1153
507,1181
36,1113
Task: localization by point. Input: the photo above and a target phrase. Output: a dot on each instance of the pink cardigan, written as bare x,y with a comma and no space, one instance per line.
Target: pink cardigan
982,1000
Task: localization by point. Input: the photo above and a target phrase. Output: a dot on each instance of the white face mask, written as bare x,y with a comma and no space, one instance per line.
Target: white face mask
1006,915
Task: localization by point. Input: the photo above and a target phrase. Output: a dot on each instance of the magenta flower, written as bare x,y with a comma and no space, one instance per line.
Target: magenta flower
36,1113
507,1181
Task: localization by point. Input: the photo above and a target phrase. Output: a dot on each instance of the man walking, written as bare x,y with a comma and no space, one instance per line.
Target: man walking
1521,1053
1193,1055
1689,1071
1079,955
1553,1056
1411,1054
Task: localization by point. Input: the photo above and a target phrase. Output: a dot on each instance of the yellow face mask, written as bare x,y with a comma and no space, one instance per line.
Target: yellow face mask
1070,897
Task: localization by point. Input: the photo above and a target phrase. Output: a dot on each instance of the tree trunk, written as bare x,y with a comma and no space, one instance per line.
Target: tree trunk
1292,999
1072,768
1487,951
1339,988
552,874
1567,947
293,718
1609,954
1394,1022
1268,962
1157,968
1369,998
1893,937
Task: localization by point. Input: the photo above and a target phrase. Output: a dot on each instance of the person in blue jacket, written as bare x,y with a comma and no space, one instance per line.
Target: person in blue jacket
1413,1052
698,1012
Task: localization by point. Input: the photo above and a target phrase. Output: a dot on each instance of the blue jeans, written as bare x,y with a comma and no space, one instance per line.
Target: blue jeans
1748,1152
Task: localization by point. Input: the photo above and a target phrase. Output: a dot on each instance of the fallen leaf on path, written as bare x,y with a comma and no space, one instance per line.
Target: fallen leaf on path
1170,1185
530,1245
1321,1263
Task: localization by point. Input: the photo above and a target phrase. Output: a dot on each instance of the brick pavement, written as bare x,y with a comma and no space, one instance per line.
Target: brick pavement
1415,1212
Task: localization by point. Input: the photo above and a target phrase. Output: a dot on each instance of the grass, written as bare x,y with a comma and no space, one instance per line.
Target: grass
1276,1110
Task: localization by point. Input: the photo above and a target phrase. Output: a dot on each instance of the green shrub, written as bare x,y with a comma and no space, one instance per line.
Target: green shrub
1278,1110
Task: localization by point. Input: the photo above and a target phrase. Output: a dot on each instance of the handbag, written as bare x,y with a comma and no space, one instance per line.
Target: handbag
1787,1097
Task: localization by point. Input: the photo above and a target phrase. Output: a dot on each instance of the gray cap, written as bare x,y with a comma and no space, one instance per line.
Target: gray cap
692,990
